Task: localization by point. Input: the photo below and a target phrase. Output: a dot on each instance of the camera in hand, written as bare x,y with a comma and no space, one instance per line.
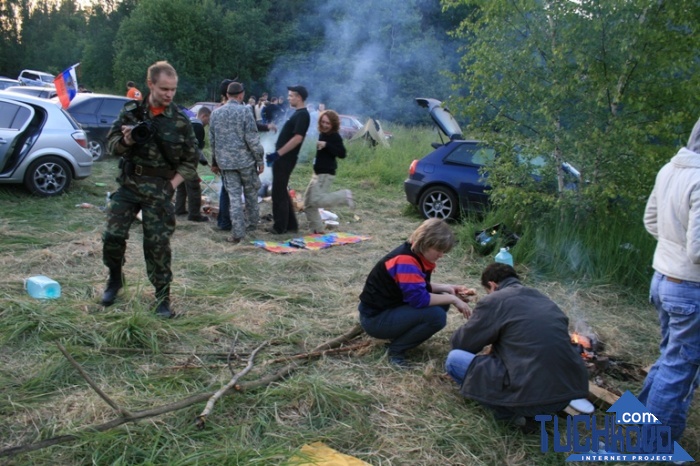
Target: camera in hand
144,128
143,132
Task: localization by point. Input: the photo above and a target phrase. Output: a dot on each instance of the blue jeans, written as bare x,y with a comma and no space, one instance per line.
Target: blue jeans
406,326
668,389
223,220
457,364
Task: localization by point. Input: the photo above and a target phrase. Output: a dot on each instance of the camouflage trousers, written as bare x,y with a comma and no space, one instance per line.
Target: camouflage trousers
158,226
247,182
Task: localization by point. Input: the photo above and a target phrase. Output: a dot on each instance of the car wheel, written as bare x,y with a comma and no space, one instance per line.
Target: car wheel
48,176
438,202
97,149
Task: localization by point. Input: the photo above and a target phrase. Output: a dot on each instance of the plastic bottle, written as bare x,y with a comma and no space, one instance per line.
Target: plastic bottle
42,287
504,257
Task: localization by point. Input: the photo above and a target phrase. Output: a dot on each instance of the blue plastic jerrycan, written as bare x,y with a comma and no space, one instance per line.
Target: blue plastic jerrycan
504,257
42,287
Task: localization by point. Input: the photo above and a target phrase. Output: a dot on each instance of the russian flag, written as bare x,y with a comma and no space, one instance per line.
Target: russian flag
66,85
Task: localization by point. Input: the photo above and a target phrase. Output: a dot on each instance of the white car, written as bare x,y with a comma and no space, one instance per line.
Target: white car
41,146
36,78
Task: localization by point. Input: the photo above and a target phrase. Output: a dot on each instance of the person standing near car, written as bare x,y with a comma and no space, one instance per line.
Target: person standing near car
329,148
190,192
284,159
132,92
158,150
672,216
237,152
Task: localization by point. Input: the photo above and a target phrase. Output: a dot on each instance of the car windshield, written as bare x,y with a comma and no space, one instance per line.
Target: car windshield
47,78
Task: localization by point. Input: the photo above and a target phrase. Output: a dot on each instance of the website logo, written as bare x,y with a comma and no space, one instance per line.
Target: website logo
630,433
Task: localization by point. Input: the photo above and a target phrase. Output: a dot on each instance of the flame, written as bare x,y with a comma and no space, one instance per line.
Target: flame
584,341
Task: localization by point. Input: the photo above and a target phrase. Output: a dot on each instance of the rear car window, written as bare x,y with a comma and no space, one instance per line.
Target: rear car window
13,116
471,154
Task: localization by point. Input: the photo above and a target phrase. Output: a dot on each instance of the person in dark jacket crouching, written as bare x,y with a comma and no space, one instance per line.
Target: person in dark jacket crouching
532,367
399,303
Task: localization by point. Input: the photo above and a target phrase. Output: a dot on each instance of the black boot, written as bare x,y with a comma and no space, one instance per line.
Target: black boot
114,284
163,299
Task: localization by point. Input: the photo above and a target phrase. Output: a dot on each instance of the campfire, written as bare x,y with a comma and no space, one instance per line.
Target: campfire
589,346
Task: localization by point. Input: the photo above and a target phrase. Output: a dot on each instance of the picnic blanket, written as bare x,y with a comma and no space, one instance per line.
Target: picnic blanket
310,242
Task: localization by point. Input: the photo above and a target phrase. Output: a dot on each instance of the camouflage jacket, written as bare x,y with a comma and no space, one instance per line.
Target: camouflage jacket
234,138
174,146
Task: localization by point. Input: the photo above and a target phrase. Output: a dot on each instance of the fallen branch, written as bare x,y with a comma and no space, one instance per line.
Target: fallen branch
92,384
175,406
202,418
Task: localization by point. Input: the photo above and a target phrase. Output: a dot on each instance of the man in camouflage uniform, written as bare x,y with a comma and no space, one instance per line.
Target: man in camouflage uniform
153,163
237,154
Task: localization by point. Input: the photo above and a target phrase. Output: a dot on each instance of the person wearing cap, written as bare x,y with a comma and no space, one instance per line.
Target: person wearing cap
236,147
223,220
284,159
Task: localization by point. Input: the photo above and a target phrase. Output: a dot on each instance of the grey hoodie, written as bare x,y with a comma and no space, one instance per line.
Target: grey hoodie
672,213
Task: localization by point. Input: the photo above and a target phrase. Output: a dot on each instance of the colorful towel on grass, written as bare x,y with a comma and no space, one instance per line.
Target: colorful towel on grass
310,242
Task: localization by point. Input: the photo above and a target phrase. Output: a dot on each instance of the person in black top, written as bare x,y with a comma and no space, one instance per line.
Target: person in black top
284,159
328,148
190,192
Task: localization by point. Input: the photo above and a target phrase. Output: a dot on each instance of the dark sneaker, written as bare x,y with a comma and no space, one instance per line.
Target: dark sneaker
233,240
199,218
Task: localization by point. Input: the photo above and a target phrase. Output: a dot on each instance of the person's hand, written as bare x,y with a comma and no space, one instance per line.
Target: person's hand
272,158
261,168
168,190
126,135
463,308
215,170
320,145
464,293
272,127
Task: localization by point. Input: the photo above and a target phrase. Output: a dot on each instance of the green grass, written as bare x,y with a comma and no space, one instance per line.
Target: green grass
354,402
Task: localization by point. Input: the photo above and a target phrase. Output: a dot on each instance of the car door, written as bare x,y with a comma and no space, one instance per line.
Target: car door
107,114
465,163
15,117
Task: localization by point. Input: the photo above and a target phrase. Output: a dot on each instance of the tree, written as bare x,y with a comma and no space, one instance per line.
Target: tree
204,41
9,37
608,86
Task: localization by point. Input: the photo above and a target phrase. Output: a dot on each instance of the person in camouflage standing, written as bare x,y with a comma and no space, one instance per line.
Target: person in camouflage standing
237,154
157,147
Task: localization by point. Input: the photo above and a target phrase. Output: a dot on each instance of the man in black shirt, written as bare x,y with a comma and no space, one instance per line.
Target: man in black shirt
284,159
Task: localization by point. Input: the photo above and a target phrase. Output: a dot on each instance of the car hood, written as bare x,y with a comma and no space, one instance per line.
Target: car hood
442,117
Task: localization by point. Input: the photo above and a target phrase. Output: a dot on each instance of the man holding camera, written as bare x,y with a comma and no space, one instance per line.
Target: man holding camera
157,147
237,154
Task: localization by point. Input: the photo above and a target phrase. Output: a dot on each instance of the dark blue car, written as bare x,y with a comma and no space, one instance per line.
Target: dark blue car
450,179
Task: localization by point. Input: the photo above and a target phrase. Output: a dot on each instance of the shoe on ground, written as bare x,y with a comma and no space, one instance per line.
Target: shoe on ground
399,361
251,228
198,218
272,230
110,295
526,425
582,405
233,240
181,213
163,310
